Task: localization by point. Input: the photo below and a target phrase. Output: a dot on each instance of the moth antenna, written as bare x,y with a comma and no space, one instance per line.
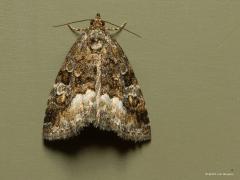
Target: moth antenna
72,22
124,29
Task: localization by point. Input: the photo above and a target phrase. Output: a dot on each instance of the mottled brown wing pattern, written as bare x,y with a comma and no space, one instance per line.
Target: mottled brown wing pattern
76,76
122,104
96,85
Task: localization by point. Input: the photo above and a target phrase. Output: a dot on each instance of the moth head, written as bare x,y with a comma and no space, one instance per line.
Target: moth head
97,22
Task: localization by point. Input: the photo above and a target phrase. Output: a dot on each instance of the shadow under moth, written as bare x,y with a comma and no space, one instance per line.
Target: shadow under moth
96,86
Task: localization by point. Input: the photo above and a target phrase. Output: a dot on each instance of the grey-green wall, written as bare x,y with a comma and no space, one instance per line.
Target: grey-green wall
187,63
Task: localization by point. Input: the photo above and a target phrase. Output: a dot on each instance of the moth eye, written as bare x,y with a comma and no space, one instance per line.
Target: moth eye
91,22
103,23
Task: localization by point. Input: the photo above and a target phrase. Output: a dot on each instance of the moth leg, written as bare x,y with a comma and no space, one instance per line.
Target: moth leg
121,27
117,29
75,30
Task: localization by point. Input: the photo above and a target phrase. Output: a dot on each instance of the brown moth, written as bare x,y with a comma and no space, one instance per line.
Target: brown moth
96,86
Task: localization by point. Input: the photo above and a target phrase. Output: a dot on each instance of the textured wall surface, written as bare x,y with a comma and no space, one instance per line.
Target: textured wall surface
187,63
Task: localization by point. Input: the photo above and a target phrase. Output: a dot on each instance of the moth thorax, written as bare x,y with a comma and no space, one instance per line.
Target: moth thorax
96,45
96,40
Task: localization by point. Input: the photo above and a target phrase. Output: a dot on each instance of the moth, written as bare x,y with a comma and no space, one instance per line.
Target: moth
96,86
